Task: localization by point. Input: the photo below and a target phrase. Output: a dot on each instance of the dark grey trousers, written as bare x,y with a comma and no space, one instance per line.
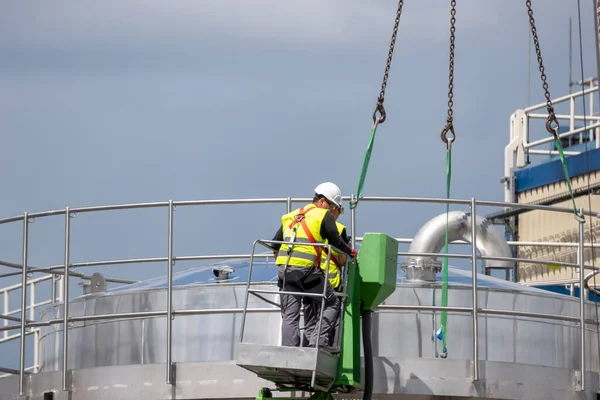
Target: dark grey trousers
307,280
311,319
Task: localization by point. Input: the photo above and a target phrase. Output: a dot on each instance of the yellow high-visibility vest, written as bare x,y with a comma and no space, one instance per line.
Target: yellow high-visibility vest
306,222
334,266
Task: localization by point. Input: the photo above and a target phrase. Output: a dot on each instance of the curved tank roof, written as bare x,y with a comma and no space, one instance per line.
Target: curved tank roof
264,271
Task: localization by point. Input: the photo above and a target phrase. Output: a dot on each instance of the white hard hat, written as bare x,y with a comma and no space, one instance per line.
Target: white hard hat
332,193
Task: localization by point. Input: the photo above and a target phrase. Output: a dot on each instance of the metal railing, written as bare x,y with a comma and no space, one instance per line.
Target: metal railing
516,153
27,326
315,296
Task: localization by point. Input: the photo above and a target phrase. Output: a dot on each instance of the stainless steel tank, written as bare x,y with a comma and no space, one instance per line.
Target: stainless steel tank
397,334
520,357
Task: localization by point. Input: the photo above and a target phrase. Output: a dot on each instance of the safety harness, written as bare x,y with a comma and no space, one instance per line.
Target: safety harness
299,220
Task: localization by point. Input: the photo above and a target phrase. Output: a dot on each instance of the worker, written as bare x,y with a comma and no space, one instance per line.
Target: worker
336,262
299,264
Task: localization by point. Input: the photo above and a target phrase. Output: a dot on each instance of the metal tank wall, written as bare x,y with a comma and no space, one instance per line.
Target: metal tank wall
209,337
542,226
396,334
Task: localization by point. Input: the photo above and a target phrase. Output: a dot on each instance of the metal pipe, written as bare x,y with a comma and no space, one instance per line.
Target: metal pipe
72,275
23,304
474,226
151,314
551,244
305,294
11,219
526,260
560,99
289,205
230,201
551,283
65,298
432,255
324,296
129,206
417,200
53,288
582,300
220,257
486,311
321,312
565,116
225,311
381,308
353,221
11,371
527,206
54,269
116,262
36,351
5,312
247,295
561,136
553,152
459,225
9,318
284,200
170,298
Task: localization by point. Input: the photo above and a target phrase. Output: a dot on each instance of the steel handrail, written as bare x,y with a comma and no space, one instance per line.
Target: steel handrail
210,311
562,99
289,200
68,213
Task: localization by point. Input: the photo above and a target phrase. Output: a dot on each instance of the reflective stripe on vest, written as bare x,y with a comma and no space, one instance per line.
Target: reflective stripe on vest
306,223
334,263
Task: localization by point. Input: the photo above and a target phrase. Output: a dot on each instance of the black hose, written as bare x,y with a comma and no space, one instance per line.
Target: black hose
368,353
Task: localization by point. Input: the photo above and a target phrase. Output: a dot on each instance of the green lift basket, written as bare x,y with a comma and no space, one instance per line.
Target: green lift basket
369,282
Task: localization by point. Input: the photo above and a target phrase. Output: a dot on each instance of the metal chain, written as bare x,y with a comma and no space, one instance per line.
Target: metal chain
449,123
379,105
551,123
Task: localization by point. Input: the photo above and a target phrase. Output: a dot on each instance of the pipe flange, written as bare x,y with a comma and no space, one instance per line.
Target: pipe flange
420,269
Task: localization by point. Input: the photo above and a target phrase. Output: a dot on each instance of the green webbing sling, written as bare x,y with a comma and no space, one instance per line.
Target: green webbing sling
561,155
363,172
445,268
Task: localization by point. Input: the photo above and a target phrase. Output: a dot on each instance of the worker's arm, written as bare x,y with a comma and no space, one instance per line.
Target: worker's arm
329,231
278,237
342,257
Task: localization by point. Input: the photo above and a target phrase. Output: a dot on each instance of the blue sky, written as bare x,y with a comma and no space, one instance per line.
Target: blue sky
119,102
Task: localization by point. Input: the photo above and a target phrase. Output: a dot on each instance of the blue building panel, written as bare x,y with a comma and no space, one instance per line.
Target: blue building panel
552,171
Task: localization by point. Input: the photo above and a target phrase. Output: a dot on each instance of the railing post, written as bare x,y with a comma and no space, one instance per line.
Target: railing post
582,299
474,290
53,289
36,351
23,304
32,302
170,298
36,336
353,222
289,204
5,311
65,298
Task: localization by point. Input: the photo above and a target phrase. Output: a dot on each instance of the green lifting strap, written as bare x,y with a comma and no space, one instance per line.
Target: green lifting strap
365,167
445,268
561,155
